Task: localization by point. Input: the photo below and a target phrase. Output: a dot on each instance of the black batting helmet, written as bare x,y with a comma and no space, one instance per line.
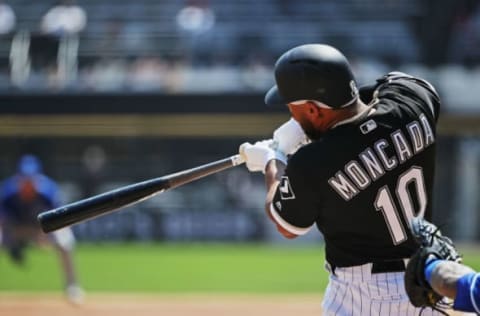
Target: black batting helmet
313,72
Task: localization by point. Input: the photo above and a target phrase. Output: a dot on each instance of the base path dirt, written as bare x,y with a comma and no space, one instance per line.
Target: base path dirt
150,305
157,305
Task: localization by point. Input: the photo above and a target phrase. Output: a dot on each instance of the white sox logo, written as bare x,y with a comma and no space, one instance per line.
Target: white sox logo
286,192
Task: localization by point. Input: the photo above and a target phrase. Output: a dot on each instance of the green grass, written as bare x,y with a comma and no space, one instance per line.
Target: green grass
180,268
174,268
471,257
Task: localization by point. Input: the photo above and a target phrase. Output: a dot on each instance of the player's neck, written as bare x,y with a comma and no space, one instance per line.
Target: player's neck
352,113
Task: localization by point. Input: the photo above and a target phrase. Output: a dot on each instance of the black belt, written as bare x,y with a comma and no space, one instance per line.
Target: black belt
383,266
388,266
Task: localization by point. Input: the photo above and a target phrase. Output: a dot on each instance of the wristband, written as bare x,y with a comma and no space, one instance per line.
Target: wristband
277,155
430,265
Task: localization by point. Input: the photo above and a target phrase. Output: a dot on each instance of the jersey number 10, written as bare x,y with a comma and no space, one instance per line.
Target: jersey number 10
384,202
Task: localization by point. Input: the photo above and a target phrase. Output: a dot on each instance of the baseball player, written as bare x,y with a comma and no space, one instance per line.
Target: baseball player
366,173
456,281
22,197
436,272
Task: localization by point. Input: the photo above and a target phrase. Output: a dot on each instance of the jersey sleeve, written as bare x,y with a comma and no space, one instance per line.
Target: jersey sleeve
419,90
294,206
49,190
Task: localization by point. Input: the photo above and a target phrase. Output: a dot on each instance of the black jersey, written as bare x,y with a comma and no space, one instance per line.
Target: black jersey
367,177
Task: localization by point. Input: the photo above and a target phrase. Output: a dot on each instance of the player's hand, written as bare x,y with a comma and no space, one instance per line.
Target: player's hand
259,154
289,137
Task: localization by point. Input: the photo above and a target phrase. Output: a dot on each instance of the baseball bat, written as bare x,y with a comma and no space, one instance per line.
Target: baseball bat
110,201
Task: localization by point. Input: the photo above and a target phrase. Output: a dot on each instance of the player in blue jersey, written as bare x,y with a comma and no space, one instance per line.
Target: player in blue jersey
456,281
22,197
436,271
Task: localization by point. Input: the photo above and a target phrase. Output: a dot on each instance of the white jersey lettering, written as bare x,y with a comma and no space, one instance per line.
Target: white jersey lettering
372,164
343,186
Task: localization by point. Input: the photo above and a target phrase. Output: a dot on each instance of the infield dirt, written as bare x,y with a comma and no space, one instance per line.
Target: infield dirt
150,305
168,305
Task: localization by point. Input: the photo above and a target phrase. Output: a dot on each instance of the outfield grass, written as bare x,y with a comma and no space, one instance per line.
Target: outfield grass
234,268
177,268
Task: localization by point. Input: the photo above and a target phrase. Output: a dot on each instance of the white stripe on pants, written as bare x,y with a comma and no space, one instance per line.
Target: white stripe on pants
355,291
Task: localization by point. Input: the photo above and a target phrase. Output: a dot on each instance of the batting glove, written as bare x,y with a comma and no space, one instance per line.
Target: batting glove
259,154
289,137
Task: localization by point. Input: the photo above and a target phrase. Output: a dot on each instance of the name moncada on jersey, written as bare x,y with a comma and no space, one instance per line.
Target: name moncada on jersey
373,161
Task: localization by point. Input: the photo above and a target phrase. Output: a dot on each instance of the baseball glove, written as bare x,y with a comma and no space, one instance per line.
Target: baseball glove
432,243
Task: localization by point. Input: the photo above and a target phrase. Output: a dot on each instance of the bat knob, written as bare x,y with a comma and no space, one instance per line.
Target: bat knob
237,160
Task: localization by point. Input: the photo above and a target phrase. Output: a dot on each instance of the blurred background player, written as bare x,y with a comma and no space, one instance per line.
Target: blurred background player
22,197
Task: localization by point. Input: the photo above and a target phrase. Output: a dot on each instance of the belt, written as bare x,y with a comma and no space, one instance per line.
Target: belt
381,266
388,266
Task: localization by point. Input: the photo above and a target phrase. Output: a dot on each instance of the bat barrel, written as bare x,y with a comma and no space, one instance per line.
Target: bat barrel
100,204
110,201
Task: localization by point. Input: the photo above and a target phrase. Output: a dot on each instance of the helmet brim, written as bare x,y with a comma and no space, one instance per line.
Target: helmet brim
273,98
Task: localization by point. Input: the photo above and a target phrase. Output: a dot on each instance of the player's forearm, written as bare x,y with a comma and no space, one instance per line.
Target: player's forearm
445,275
456,281
273,173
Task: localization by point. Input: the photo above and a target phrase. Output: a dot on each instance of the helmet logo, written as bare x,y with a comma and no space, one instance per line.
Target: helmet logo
354,88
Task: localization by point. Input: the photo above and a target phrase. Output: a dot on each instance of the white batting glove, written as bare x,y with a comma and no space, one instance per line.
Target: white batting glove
259,154
289,137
